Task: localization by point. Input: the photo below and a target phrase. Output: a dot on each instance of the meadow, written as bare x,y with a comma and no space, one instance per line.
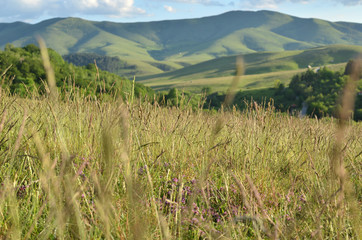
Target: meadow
79,168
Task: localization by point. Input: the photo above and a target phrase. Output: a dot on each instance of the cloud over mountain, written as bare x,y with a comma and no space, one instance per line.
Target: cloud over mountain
202,2
29,9
275,3
149,10
256,4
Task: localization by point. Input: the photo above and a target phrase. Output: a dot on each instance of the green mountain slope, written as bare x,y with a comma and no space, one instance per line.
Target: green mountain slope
261,68
177,43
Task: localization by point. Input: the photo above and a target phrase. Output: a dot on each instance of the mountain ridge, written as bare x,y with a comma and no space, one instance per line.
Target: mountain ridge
185,41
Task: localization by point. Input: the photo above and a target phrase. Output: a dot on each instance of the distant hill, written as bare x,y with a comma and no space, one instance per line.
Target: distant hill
266,62
261,68
164,45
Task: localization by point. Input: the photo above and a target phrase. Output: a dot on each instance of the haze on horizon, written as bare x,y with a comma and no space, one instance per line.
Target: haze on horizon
33,11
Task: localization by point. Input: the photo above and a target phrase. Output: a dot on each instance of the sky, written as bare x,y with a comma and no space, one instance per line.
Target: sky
33,11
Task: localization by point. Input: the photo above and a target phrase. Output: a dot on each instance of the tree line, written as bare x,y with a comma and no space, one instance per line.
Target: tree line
318,89
106,63
23,73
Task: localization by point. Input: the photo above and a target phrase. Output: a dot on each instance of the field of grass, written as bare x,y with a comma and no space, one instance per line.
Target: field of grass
84,169
74,167
247,82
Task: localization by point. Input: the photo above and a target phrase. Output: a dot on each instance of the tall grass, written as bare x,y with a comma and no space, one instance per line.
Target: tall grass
87,169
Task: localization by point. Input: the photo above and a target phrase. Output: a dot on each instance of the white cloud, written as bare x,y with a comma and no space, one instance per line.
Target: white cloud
270,4
31,3
350,2
12,10
274,3
169,8
264,4
202,2
90,3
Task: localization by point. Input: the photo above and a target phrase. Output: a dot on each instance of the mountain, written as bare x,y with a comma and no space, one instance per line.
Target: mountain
266,62
261,68
177,43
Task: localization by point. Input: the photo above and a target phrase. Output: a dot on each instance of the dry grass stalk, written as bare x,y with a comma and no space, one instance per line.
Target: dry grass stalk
345,189
3,119
230,95
48,69
20,134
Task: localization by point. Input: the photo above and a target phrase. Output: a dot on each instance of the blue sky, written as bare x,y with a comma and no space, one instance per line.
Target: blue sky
33,11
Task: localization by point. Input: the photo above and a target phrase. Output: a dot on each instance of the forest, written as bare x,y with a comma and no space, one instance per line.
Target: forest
319,89
23,73
106,63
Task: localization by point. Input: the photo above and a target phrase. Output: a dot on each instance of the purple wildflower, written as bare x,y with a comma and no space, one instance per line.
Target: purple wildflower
302,198
141,170
194,221
21,191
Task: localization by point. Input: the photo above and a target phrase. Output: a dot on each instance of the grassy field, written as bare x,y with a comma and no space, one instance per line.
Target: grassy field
248,82
80,168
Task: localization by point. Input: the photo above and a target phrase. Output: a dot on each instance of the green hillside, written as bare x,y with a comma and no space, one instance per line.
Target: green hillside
22,72
156,46
261,68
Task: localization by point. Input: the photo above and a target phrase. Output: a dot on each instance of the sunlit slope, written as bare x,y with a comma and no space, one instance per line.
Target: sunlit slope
267,65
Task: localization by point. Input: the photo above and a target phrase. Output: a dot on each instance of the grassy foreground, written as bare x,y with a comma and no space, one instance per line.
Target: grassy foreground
84,169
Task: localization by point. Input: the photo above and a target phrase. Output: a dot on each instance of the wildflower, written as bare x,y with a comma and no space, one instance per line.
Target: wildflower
234,210
21,191
141,170
188,190
195,209
82,175
302,198
194,221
